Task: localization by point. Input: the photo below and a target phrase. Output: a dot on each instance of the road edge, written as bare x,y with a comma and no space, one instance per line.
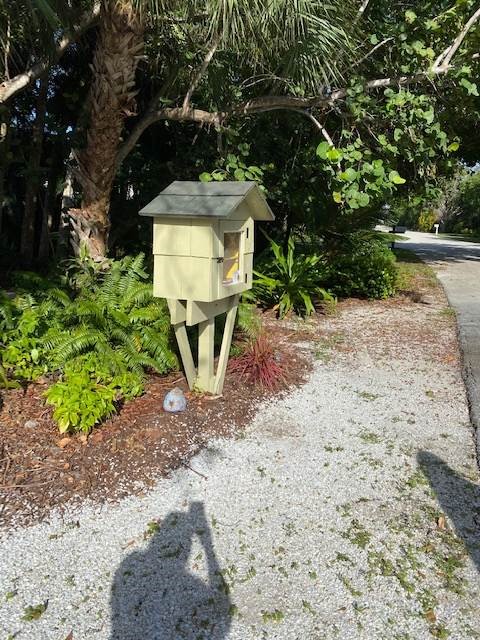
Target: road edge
471,387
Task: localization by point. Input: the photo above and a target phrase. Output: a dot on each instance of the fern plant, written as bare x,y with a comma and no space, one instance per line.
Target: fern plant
119,319
99,340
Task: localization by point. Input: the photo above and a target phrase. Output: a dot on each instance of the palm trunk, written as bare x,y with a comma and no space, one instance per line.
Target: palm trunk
111,100
33,177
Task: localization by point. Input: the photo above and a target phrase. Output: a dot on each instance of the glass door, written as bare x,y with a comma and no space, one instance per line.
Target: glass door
231,258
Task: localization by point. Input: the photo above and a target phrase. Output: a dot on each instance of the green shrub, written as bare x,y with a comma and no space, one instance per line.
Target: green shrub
80,402
98,340
290,282
426,220
88,393
363,268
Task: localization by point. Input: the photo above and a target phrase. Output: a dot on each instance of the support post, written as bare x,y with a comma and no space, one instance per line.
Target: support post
185,353
206,335
226,343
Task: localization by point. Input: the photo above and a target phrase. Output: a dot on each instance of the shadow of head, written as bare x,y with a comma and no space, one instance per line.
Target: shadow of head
459,499
173,588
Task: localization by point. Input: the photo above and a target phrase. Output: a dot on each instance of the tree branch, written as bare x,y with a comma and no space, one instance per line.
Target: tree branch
12,86
362,9
200,72
452,50
318,125
367,55
178,114
264,104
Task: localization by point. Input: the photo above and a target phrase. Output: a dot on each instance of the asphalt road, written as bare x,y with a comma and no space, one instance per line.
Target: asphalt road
457,265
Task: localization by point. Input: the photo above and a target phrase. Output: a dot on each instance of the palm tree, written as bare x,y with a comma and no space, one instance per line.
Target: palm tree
118,50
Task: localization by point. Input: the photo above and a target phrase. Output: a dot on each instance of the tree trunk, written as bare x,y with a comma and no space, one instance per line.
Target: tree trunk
33,176
66,204
111,100
4,156
47,217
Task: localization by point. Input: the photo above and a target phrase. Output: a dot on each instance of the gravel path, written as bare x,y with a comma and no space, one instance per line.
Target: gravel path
349,509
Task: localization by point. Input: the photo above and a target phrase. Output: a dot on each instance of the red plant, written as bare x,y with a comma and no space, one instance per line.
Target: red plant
260,364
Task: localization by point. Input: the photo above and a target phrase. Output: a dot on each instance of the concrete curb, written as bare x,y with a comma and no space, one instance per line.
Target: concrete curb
471,386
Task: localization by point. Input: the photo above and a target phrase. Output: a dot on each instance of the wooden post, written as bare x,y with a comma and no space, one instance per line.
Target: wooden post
206,335
204,377
185,353
226,343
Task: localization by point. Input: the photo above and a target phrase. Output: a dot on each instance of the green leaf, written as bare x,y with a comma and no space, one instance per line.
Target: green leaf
396,178
397,134
454,146
410,16
429,115
334,155
363,199
374,38
322,150
337,197
383,140
471,87
239,174
205,177
349,175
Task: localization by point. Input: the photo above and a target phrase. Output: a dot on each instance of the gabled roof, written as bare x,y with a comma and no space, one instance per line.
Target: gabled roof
186,199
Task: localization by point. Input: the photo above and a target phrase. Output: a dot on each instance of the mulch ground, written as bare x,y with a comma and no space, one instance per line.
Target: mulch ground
41,469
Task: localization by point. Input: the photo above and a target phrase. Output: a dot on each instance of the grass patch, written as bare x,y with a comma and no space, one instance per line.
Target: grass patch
273,616
387,237
367,396
413,273
324,346
370,437
348,585
31,612
448,312
357,534
461,237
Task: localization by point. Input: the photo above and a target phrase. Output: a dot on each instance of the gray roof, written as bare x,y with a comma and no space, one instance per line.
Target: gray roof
208,199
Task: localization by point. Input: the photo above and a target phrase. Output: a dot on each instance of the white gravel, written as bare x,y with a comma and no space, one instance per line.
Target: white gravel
320,520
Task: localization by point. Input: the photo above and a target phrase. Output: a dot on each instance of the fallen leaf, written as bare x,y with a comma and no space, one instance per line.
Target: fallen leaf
441,522
70,636
83,438
430,616
97,437
66,465
129,543
63,442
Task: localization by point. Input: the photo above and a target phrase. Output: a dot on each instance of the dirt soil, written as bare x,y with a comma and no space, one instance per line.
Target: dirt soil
41,469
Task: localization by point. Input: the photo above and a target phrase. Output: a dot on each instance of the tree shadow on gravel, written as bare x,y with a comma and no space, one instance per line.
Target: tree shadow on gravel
156,596
459,499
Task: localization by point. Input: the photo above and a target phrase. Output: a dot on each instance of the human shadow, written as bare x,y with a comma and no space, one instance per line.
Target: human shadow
155,596
458,497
